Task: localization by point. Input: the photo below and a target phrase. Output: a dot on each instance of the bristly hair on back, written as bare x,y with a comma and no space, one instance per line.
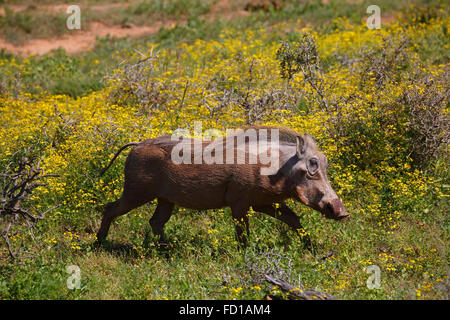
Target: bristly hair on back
285,134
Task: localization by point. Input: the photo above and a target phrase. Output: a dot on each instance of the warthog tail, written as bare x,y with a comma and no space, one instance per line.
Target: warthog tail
117,153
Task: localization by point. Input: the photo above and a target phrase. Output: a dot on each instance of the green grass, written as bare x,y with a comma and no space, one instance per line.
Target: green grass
18,27
131,266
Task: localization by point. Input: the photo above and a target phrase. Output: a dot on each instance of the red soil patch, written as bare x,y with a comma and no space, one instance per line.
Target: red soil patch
82,40
227,9
79,41
61,8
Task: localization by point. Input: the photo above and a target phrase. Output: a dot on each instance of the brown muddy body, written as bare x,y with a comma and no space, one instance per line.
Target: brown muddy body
150,173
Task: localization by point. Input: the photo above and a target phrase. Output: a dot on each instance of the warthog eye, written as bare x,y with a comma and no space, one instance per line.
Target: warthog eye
312,165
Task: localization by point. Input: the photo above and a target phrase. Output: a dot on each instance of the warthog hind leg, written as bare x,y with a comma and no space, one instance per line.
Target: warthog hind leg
117,208
160,217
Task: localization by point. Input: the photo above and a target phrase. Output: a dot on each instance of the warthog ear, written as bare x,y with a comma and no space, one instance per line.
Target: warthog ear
301,146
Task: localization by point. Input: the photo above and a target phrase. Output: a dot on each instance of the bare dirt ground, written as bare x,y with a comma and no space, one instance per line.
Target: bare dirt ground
81,40
77,41
227,10
61,7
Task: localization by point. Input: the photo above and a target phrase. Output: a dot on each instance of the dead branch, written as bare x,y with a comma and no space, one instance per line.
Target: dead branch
276,269
15,192
295,293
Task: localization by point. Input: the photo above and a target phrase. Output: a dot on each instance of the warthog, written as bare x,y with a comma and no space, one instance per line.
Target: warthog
151,173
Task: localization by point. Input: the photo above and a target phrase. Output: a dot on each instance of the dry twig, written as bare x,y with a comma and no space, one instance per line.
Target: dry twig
16,189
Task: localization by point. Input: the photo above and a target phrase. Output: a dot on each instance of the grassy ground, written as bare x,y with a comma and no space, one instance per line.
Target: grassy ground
62,105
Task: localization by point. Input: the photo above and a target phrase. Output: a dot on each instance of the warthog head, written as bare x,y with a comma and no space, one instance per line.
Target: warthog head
309,173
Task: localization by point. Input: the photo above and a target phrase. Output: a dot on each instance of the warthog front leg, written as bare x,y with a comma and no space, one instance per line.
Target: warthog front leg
240,220
285,214
162,214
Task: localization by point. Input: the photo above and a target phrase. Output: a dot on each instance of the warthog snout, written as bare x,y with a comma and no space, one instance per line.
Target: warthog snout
335,210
